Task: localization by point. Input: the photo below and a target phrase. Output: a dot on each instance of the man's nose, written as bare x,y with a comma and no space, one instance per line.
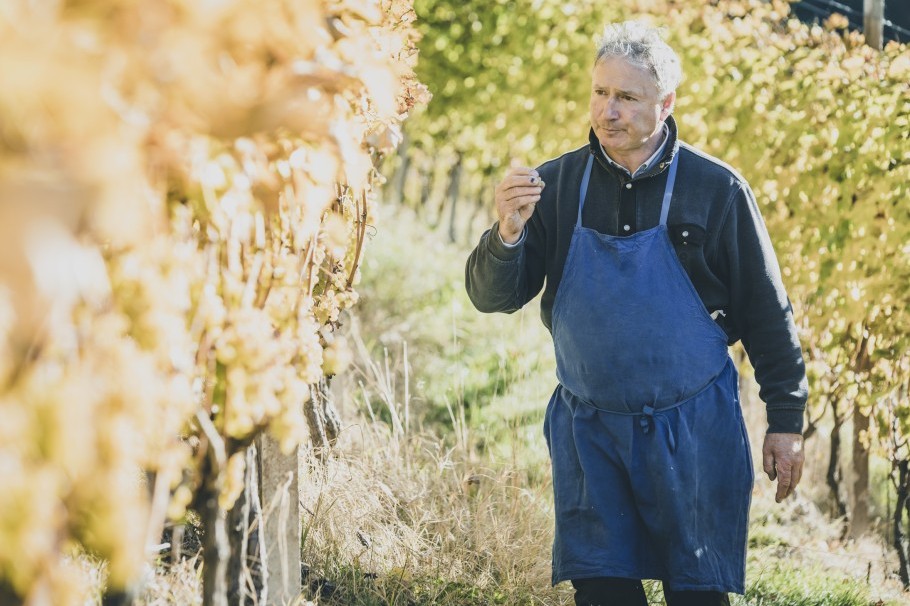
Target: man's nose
611,109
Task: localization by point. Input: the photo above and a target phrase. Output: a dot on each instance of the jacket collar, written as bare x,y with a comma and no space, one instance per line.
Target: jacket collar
671,148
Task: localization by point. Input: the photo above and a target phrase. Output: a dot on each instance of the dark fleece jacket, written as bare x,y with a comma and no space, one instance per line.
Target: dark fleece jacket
725,251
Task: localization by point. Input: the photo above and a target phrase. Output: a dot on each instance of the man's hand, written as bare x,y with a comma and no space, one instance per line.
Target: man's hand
516,197
782,455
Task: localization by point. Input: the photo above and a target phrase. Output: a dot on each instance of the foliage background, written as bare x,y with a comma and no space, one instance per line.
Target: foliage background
184,190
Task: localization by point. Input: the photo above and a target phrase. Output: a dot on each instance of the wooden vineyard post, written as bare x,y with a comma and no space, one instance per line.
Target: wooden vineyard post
874,22
281,519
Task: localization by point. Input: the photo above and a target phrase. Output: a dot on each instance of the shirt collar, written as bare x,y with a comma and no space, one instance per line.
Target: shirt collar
647,163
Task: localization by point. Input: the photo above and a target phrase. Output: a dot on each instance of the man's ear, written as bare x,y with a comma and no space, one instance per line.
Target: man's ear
667,106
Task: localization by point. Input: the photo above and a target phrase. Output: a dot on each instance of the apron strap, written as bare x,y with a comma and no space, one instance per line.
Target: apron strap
584,187
668,190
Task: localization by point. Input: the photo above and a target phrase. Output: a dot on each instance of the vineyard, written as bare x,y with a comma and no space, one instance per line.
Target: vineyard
195,207
819,124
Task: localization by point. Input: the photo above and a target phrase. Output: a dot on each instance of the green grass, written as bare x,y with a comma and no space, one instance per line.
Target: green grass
413,291
776,586
782,585
400,588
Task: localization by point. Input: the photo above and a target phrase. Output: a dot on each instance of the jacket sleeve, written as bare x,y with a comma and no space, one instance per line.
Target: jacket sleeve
762,313
500,278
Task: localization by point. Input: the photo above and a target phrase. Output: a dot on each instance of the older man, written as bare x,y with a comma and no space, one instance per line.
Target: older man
655,259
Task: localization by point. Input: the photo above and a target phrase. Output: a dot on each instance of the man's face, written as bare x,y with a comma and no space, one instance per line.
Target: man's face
626,109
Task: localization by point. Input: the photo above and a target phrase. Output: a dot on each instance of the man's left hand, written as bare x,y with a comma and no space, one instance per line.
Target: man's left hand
782,455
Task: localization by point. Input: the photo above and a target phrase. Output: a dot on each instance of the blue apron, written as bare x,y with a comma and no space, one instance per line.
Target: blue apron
652,473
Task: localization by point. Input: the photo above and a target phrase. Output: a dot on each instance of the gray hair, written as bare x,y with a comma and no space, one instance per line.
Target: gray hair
642,45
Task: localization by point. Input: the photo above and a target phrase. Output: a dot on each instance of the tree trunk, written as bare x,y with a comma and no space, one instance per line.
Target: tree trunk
395,191
481,203
452,195
215,545
265,522
834,475
281,535
861,516
246,573
110,598
902,486
426,188
322,418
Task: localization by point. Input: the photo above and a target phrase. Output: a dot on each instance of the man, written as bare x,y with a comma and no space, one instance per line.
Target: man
655,259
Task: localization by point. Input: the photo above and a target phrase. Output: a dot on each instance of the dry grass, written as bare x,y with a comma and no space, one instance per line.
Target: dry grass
431,516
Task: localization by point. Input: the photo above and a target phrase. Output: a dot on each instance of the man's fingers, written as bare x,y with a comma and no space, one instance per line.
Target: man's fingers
517,192
522,201
768,464
521,181
527,211
521,170
783,457
509,203
519,210
516,198
784,482
797,475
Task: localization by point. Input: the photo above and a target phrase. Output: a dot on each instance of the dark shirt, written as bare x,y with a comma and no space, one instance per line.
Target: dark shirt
716,230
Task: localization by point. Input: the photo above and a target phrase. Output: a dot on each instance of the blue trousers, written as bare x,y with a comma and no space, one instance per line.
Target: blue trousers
610,591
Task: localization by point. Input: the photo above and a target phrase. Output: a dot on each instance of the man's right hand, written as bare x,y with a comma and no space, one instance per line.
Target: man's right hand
516,197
